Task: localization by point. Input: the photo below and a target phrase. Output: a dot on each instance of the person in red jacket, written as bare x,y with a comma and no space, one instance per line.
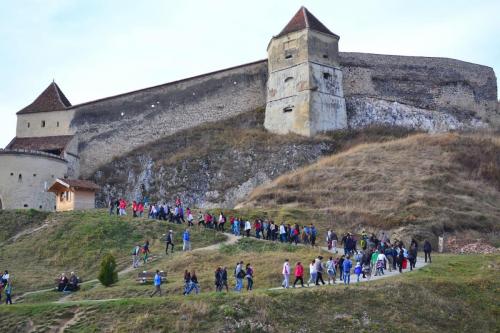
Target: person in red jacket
299,274
140,208
134,208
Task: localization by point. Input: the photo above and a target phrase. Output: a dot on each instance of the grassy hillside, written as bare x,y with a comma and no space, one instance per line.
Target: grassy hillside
454,294
428,184
76,241
217,164
13,222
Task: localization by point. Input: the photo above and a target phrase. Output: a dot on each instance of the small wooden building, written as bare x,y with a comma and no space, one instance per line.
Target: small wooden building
74,194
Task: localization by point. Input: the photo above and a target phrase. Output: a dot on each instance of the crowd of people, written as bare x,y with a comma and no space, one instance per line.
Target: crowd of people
363,255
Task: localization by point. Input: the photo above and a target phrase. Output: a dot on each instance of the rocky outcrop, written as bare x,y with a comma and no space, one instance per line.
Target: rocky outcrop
365,111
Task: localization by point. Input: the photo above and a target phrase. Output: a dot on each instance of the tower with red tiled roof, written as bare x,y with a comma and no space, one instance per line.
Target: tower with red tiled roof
304,88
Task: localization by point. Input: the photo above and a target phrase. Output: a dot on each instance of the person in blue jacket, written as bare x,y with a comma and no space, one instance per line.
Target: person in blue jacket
186,240
157,283
346,269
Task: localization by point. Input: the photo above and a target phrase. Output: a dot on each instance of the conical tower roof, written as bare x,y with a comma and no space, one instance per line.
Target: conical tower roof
303,19
51,99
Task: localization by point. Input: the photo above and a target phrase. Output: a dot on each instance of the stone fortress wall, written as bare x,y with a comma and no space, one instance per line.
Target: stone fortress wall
431,94
113,126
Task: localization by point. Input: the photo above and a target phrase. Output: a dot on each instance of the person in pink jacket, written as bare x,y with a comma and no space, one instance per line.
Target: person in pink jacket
299,274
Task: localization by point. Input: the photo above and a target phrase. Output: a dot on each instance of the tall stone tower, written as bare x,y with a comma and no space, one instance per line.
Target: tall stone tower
304,88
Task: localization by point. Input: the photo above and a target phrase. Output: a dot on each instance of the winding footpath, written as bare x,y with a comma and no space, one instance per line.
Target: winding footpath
230,239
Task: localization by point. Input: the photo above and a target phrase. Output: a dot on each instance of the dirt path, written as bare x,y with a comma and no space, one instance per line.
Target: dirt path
230,239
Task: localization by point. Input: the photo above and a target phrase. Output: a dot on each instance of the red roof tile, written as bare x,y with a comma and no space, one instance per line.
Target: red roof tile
303,19
51,99
43,143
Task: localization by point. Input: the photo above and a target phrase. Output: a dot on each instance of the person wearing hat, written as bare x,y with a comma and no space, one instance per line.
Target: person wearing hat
169,239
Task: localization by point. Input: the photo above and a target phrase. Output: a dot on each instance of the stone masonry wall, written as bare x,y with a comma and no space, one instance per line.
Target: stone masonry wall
113,126
461,92
432,94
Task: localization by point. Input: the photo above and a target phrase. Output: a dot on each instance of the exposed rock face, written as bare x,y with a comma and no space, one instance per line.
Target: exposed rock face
365,111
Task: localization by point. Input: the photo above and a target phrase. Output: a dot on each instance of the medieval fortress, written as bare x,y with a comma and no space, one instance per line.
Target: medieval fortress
306,85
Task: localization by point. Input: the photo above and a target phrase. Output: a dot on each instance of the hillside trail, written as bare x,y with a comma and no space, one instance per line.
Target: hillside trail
230,239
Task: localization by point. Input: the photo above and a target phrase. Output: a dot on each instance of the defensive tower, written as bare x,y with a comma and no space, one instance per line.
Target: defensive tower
304,88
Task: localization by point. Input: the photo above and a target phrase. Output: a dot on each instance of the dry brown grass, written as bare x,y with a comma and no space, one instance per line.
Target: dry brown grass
444,182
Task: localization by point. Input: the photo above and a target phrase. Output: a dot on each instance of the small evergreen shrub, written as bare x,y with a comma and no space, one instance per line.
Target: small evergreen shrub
108,274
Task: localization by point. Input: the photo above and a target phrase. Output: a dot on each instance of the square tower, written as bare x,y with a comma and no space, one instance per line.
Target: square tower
304,88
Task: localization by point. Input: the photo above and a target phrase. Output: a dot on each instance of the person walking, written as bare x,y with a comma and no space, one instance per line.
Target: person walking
249,276
312,273
218,279
330,270
186,241
193,284
427,250
187,281
347,265
239,274
286,274
248,227
314,234
8,292
299,274
224,279
319,271
136,251
169,240
358,270
157,284
145,252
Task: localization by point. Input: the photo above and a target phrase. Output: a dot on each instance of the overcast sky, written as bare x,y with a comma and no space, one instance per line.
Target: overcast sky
98,48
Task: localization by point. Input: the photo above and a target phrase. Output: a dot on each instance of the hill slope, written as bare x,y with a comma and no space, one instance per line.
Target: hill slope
428,184
218,164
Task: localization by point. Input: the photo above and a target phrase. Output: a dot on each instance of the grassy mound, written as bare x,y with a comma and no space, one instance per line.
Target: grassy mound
454,294
76,241
14,222
432,183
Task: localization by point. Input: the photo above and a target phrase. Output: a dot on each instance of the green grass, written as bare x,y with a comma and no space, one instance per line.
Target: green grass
76,241
16,221
454,294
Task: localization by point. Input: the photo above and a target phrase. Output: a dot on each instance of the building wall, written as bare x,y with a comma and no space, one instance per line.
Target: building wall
51,120
84,200
114,126
37,171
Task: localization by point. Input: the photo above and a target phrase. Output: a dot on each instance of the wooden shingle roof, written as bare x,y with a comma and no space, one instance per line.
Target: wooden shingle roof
43,143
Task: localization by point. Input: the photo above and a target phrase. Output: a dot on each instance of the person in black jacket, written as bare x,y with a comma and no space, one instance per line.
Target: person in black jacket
427,250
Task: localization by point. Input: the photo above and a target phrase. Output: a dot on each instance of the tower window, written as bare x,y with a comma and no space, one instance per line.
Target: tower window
20,178
43,123
57,124
325,56
25,205
288,56
288,109
28,124
327,76
288,79
12,174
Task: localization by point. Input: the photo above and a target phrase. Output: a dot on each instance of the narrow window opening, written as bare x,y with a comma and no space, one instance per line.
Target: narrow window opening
20,178
288,79
57,124
288,56
25,205
43,123
288,109
34,175
40,206
28,124
12,174
327,76
325,56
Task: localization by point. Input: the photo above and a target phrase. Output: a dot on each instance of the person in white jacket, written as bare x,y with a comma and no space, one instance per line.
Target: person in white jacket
248,227
286,274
